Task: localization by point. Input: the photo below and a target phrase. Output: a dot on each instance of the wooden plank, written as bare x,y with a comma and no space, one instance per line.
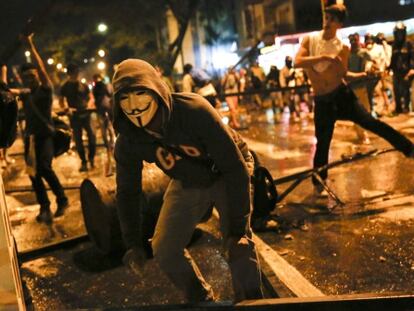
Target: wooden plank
288,274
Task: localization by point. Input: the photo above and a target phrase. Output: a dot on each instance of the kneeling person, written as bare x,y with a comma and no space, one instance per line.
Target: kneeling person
208,164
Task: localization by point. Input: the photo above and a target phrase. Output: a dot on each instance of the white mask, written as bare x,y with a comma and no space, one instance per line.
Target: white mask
139,106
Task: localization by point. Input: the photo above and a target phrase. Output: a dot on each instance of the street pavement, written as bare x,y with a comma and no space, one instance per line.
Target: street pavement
312,249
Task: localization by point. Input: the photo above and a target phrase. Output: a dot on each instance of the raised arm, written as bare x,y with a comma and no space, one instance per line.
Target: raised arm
43,75
3,74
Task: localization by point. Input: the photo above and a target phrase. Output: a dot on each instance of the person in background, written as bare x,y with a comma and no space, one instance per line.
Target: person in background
273,81
188,82
37,104
164,78
358,58
5,160
257,81
402,66
230,84
77,96
288,79
102,94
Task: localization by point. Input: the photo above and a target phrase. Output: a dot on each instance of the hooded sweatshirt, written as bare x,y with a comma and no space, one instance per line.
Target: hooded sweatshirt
192,126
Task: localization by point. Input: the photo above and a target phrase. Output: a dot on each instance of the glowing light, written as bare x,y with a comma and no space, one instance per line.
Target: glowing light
65,70
27,53
59,66
101,66
83,80
101,53
85,60
50,61
102,27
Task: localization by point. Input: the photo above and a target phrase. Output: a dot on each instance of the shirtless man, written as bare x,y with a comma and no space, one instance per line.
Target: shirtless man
325,60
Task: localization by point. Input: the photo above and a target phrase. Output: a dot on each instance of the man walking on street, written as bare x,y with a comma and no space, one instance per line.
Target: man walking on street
325,60
77,96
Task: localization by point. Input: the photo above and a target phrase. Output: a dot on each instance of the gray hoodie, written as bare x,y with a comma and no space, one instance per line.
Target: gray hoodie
190,124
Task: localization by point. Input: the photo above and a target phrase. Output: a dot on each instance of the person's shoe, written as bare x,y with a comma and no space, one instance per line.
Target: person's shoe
44,216
135,259
92,164
61,207
83,168
319,191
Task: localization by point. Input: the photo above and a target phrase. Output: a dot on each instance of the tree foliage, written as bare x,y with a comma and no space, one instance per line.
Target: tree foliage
135,28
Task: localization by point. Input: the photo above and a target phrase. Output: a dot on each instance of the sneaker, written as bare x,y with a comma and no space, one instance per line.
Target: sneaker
83,168
320,191
44,216
135,259
61,208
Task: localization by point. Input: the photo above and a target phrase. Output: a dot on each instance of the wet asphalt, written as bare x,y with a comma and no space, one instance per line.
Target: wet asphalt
364,246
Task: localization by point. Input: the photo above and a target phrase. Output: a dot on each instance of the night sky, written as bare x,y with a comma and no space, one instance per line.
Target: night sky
13,17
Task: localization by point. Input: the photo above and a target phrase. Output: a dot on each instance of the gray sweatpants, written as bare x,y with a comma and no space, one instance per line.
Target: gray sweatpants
182,210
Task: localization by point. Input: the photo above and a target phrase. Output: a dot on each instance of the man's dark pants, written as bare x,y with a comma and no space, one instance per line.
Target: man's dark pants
79,121
401,91
44,156
342,104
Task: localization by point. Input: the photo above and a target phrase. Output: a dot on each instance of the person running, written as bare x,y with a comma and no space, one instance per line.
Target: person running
325,59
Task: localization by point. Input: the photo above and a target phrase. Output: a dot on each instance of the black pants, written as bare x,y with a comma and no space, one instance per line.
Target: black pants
79,121
44,170
342,104
401,92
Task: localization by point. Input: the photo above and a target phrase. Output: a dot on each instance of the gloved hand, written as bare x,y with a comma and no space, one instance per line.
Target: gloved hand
135,259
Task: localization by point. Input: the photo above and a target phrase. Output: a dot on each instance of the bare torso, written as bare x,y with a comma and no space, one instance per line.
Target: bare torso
328,80
325,71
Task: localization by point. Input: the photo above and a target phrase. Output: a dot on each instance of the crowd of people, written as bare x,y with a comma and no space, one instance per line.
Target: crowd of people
184,135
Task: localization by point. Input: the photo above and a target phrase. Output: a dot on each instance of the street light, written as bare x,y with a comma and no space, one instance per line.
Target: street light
101,53
59,66
101,65
27,54
50,61
102,27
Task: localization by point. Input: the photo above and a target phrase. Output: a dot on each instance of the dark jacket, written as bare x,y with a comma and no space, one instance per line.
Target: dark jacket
190,125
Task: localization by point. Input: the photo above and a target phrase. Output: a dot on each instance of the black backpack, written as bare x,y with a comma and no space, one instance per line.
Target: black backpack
265,194
8,117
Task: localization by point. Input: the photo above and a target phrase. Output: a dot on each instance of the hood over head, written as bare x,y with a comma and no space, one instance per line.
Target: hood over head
138,74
